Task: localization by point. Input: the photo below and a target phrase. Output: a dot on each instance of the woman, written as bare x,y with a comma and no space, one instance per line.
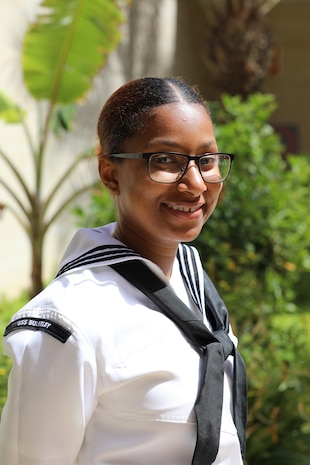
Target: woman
101,375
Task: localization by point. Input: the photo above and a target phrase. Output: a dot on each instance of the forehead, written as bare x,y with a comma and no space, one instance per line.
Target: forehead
179,125
179,110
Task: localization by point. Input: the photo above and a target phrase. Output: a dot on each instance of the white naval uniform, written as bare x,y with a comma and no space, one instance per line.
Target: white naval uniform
120,390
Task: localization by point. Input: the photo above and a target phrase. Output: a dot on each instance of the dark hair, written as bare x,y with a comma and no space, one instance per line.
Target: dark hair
123,115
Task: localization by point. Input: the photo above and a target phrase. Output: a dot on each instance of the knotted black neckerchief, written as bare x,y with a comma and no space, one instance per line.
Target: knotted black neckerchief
213,348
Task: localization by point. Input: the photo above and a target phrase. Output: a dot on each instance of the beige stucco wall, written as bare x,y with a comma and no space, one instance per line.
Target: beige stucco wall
290,22
126,62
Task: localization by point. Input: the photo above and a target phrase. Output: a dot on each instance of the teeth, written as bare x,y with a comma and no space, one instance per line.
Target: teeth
183,209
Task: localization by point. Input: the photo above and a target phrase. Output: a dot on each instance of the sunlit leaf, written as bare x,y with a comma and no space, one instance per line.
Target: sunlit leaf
9,111
67,45
62,118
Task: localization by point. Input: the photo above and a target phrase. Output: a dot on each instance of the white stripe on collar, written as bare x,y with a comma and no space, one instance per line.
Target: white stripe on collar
192,273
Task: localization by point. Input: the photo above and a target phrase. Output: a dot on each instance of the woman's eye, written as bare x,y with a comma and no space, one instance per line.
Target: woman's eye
164,159
207,162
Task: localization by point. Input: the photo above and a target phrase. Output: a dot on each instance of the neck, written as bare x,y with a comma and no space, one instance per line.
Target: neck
162,255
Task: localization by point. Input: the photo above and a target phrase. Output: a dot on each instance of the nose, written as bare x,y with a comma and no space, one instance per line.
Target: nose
192,180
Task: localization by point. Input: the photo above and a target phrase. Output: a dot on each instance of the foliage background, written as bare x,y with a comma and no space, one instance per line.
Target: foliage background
7,309
256,249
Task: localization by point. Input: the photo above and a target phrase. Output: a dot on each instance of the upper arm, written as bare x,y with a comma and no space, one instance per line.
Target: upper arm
51,394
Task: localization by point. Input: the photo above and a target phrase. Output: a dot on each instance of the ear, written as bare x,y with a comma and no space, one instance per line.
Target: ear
108,171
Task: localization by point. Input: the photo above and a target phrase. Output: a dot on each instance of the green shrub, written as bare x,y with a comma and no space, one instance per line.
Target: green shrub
99,211
7,309
256,249
256,245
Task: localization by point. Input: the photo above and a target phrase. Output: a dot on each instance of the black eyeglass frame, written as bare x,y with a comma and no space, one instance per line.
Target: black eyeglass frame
196,158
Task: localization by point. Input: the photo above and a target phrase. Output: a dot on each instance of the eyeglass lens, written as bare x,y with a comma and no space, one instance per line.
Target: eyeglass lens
169,168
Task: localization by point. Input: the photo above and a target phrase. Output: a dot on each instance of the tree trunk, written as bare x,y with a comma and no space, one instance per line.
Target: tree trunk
36,238
36,270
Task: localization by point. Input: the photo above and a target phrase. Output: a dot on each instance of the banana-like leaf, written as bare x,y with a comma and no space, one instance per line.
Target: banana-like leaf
62,118
9,111
67,45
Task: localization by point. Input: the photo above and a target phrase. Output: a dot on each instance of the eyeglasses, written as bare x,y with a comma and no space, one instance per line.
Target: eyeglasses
170,167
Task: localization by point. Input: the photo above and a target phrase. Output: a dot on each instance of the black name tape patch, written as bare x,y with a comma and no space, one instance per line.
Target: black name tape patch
39,324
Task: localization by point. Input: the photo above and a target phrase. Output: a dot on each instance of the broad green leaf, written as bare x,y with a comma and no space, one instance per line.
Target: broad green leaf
9,111
62,118
67,45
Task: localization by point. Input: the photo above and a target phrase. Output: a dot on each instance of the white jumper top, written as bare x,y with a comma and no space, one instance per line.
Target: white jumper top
115,383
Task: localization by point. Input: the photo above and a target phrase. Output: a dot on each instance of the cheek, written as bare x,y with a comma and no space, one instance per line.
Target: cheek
212,196
218,188
136,192
133,175
214,191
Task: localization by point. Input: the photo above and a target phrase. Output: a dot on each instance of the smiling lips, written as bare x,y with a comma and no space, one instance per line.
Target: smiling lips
184,209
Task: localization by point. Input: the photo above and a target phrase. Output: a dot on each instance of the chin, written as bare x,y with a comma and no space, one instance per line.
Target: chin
190,235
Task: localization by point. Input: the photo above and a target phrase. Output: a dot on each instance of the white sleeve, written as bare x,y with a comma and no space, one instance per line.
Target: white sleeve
51,396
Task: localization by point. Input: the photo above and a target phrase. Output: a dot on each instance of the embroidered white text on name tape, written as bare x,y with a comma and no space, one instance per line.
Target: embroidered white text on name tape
39,324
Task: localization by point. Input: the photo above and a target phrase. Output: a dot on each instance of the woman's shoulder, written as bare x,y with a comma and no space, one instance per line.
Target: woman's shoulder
70,305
